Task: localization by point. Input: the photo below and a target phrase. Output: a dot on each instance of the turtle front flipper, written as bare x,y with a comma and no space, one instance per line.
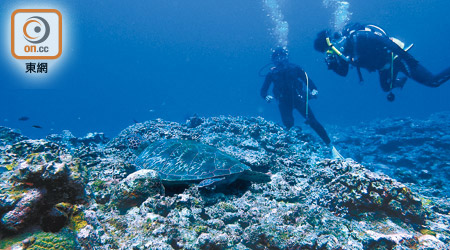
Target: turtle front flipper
254,176
209,182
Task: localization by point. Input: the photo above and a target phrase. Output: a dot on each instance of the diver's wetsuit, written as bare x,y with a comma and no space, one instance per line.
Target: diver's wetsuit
372,51
289,91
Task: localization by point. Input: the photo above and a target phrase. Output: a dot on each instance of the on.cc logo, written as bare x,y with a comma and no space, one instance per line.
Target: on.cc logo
39,27
36,34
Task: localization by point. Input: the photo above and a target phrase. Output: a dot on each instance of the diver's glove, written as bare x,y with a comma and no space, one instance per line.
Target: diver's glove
269,98
314,93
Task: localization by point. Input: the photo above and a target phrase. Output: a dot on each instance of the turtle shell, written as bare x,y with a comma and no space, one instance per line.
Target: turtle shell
184,161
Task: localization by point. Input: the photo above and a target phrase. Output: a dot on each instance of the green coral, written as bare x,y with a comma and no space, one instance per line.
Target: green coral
77,169
77,220
118,224
200,229
284,236
41,157
50,241
150,226
65,240
376,198
98,185
427,232
426,202
11,166
9,241
64,207
228,207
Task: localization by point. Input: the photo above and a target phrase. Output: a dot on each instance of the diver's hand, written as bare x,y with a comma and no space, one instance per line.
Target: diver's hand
269,98
314,93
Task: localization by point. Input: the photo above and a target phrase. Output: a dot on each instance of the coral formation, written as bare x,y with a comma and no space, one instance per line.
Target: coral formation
95,197
352,187
416,152
44,175
51,241
24,211
136,188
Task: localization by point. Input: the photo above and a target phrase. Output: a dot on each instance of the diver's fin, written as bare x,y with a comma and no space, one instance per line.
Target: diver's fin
405,49
335,154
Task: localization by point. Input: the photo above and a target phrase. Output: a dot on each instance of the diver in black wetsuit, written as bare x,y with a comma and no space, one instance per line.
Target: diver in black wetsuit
289,89
369,47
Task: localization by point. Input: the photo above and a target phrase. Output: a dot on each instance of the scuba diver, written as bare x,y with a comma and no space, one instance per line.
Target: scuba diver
292,88
369,47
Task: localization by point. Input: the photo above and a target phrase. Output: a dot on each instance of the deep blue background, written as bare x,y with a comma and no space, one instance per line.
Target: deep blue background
141,59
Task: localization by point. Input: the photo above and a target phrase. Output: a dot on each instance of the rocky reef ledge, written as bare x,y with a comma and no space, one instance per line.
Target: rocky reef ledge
65,192
416,152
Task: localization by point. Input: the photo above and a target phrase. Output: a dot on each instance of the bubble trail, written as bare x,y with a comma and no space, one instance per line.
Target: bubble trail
341,15
281,27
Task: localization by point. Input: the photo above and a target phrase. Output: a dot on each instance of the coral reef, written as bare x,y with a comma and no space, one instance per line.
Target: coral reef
39,190
56,218
51,241
416,152
64,240
69,141
24,210
351,188
96,197
9,137
136,188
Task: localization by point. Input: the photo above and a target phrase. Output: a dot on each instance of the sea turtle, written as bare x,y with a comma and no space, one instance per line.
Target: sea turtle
184,162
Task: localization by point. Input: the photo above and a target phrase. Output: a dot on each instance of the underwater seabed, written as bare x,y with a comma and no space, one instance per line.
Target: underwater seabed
65,192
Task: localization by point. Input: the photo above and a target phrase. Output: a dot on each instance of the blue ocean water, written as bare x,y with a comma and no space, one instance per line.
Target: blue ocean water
141,60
